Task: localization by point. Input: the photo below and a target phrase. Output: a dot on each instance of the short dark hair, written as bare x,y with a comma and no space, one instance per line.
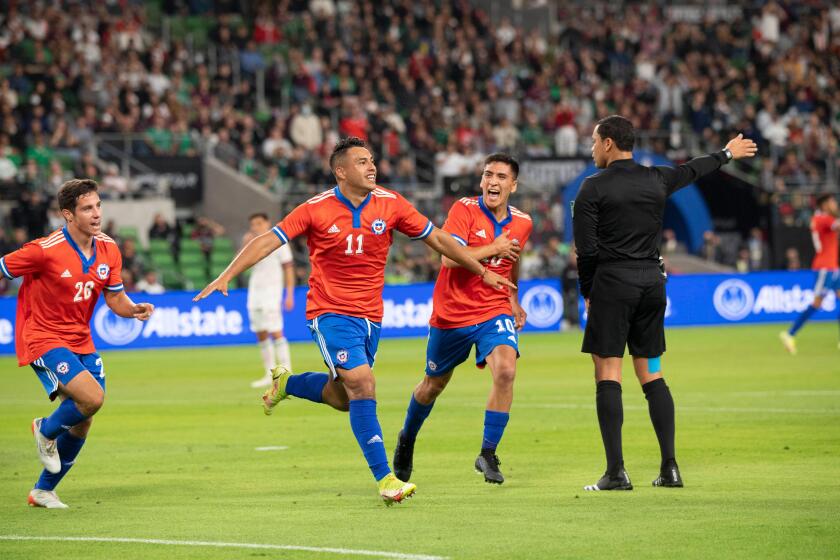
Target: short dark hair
823,198
70,191
502,157
343,145
619,129
262,215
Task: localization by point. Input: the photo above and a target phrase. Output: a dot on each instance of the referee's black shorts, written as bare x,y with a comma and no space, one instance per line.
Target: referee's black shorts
626,308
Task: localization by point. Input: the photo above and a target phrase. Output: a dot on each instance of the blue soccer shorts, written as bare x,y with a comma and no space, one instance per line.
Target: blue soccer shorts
448,348
827,281
345,342
61,365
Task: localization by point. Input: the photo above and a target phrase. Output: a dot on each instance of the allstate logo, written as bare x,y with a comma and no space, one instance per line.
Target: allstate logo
544,306
114,329
62,367
379,226
102,271
341,356
734,299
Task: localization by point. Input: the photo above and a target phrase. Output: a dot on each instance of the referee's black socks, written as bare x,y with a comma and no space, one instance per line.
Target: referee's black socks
661,408
610,418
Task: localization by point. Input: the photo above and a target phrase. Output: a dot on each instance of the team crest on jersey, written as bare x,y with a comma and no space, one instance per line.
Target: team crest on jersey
341,356
62,367
432,365
102,271
379,226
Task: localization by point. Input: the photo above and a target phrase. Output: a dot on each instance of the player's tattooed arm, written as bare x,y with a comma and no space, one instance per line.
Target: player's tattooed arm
121,304
503,247
256,250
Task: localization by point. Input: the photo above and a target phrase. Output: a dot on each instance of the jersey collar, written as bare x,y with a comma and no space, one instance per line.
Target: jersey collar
356,211
86,263
497,225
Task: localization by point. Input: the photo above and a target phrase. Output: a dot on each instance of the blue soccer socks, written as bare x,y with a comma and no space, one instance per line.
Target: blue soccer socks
309,386
803,317
366,428
62,419
415,416
68,447
494,428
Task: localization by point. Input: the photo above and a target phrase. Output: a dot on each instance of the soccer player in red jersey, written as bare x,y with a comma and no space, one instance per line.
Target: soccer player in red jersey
349,231
467,313
63,275
824,230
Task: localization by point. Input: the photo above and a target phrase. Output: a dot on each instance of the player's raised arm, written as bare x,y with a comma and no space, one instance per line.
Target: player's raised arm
446,245
503,247
256,250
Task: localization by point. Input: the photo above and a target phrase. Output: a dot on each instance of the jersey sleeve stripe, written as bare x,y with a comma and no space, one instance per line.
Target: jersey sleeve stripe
115,288
426,231
5,270
459,240
281,234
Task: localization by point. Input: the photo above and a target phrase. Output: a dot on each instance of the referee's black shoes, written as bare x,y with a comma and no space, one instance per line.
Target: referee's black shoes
403,457
621,481
487,463
669,477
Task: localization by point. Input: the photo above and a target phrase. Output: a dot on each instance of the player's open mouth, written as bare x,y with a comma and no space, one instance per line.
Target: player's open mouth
493,194
371,177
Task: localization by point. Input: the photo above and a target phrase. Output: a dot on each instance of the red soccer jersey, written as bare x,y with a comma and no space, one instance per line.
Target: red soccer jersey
348,247
60,289
822,225
461,298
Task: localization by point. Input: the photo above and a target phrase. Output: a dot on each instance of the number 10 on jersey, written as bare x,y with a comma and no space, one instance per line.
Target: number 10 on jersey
359,240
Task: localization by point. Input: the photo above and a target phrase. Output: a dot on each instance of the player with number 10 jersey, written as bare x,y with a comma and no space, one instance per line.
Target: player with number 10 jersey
467,313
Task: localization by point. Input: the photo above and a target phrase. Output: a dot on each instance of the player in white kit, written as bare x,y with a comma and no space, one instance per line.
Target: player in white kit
265,292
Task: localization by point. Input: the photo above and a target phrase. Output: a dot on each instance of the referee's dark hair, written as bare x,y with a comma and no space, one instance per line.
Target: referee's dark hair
502,157
342,146
823,198
262,215
620,130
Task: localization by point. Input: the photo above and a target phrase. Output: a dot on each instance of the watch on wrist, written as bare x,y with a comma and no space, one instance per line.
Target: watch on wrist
728,154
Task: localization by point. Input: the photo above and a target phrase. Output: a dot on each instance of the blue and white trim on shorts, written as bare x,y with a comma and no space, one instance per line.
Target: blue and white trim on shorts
280,233
49,374
322,346
5,270
827,281
426,231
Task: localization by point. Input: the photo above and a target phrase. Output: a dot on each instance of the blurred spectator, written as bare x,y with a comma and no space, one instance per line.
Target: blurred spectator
150,284
792,261
759,252
205,231
131,259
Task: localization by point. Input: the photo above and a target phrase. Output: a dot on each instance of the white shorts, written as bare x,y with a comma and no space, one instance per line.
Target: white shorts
265,319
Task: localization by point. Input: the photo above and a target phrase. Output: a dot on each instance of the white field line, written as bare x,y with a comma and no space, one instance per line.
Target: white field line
272,448
212,544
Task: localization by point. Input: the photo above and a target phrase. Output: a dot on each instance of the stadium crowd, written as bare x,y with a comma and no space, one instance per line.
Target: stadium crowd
268,87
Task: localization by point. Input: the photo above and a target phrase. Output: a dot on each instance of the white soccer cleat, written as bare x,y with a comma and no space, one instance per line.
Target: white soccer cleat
45,499
263,381
47,451
788,342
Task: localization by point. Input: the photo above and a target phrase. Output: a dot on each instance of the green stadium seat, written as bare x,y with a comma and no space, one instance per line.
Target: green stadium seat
223,243
127,232
163,260
191,258
221,257
195,277
186,230
190,245
160,246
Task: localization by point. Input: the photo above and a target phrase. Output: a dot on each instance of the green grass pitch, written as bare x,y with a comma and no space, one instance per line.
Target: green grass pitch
172,456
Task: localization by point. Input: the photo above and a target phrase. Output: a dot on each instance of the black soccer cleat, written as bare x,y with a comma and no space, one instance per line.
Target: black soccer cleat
487,463
403,457
607,482
669,477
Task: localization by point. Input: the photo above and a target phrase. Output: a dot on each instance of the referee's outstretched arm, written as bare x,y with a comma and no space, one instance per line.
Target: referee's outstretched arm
678,177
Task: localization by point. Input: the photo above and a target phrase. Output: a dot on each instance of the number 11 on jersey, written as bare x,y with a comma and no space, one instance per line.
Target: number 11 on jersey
349,250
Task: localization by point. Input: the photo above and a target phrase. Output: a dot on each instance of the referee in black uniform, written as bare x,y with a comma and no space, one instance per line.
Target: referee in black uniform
618,225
